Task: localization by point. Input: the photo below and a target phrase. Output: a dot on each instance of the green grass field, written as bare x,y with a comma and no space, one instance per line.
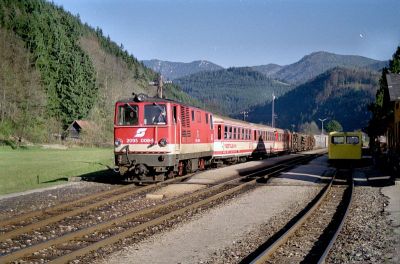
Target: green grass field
31,168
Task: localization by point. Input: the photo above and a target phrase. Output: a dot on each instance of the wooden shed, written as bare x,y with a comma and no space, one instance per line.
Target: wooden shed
77,127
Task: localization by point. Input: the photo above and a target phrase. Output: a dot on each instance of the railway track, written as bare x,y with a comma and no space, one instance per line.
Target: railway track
34,220
309,237
76,243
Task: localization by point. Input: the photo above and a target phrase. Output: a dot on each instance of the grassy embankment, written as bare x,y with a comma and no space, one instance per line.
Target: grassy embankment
31,168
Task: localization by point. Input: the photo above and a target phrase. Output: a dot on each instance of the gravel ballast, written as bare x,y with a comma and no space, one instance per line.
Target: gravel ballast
211,233
16,204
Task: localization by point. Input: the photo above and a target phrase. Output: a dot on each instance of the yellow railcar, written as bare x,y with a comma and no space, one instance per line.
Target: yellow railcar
345,145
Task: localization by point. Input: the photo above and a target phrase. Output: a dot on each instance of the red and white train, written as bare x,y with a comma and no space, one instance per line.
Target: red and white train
157,138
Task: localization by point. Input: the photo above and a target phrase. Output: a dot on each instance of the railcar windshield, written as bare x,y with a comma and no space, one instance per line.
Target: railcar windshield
127,115
352,140
338,140
155,114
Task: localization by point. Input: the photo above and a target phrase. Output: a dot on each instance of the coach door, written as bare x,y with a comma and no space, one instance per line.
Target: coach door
178,126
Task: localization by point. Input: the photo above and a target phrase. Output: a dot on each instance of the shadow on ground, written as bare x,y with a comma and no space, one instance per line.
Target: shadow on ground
102,176
56,180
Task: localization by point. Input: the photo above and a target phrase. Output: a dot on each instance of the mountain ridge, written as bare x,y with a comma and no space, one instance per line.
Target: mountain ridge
174,70
339,93
316,63
232,90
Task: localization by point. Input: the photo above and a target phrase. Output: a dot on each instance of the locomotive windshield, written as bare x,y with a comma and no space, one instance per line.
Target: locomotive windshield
127,115
155,114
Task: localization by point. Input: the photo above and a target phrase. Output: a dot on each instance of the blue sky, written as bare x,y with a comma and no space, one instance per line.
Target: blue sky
245,32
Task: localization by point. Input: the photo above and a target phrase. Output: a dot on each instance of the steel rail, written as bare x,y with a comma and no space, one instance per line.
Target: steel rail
134,215
58,213
267,253
125,234
339,229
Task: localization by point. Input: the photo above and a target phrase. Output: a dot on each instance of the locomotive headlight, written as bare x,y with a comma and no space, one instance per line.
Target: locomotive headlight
141,97
163,142
117,142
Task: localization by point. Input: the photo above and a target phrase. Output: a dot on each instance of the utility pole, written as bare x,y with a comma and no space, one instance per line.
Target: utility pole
322,121
160,86
273,111
245,114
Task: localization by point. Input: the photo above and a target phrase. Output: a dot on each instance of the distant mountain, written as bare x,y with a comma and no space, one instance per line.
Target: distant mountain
269,69
173,70
340,94
318,62
232,90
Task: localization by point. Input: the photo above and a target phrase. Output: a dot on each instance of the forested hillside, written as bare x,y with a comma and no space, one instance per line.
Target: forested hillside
269,69
22,97
173,70
338,94
318,62
54,69
232,90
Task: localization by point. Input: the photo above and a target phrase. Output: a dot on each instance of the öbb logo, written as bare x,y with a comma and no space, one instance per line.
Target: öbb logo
140,132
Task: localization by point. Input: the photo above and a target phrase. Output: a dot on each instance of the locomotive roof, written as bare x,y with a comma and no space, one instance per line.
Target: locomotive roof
157,100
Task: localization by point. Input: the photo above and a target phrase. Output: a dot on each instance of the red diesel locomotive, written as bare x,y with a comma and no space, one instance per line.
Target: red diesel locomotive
157,138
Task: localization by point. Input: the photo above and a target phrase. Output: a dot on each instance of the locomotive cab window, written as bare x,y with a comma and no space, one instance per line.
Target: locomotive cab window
338,140
352,140
127,115
155,114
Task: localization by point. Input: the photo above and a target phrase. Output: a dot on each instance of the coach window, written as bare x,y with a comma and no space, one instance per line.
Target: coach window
234,133
127,115
206,118
230,134
337,140
352,140
225,132
211,122
192,116
219,131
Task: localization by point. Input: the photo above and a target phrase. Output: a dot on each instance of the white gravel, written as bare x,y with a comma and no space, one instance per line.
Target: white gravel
195,241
